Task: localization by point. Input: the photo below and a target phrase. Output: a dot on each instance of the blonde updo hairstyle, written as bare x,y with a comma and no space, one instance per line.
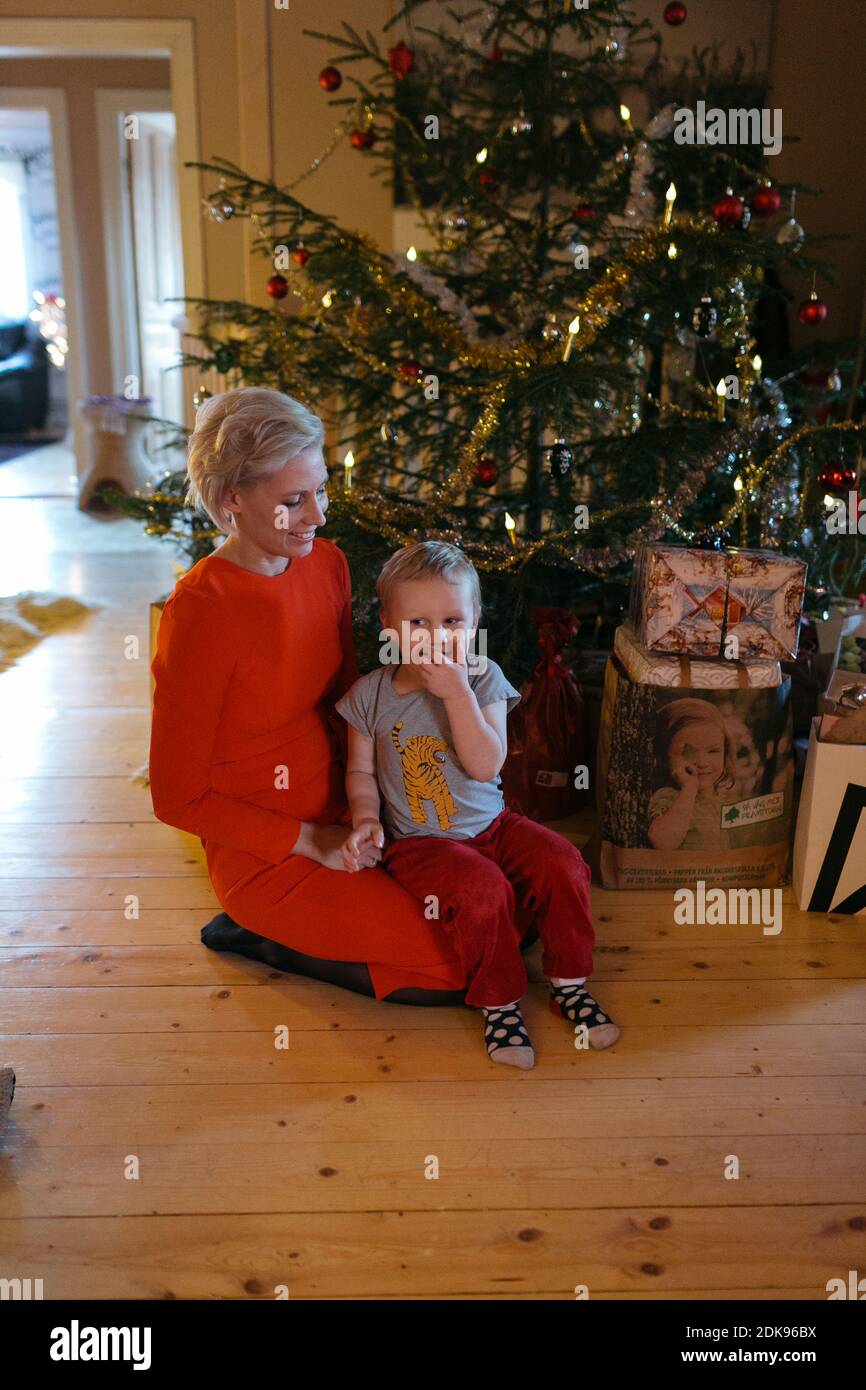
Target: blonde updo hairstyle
240,438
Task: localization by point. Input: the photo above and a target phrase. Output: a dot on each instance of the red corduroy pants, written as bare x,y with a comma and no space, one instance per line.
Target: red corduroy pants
490,890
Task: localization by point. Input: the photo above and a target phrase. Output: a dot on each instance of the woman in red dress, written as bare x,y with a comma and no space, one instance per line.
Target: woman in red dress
254,648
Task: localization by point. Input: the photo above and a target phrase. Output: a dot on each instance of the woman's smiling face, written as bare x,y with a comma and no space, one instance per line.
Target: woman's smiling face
281,513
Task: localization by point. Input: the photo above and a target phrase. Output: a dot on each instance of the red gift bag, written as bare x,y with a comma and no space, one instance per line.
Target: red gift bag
547,730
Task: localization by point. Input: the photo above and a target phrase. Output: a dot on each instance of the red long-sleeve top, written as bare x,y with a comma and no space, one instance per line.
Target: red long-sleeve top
247,669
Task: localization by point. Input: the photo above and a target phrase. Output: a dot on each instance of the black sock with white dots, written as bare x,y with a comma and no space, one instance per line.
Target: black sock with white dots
572,1000
505,1036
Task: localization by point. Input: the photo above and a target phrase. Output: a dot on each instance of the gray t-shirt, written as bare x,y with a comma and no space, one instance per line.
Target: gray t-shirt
424,789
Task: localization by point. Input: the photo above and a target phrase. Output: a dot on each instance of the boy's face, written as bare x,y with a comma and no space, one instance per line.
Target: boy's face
432,606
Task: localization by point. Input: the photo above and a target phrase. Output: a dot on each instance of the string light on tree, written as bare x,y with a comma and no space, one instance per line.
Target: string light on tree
50,314
670,199
511,526
721,396
348,465
573,330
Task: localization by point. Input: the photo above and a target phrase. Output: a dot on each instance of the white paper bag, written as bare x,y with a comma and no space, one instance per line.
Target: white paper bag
830,843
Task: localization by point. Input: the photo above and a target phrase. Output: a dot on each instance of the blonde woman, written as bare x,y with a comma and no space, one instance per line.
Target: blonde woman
254,648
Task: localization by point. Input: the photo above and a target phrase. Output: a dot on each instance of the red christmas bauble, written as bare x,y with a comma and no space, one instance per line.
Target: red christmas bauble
495,54
838,479
411,369
330,79
301,254
584,212
486,472
277,287
488,180
765,201
401,60
812,310
362,139
729,210
675,14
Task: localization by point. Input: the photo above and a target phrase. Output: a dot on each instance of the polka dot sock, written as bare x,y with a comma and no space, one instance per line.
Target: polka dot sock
505,1036
575,1003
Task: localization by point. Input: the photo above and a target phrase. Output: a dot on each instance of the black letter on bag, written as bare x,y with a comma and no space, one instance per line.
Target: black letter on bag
841,839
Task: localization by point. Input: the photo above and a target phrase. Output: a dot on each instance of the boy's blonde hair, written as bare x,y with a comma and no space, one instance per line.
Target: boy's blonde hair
429,558
241,437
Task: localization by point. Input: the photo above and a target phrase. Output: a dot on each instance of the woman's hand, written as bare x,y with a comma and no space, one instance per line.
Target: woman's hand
324,845
362,847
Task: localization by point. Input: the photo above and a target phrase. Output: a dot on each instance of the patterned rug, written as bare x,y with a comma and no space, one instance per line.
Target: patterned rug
28,617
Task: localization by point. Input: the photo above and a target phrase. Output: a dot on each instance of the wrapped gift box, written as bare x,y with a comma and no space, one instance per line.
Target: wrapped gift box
690,601
657,668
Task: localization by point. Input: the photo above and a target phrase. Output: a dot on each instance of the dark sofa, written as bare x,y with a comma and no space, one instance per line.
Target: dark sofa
23,378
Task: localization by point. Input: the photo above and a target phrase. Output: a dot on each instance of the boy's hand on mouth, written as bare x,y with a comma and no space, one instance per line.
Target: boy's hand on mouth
444,676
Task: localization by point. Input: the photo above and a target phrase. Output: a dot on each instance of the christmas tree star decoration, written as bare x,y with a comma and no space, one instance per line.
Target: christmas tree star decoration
553,333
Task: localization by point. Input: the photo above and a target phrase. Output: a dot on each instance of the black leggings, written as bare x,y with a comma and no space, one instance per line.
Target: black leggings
223,934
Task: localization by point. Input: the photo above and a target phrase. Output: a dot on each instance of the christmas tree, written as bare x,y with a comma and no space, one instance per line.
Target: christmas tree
590,350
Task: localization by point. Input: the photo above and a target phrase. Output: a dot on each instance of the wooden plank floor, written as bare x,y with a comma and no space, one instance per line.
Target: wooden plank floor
160,1146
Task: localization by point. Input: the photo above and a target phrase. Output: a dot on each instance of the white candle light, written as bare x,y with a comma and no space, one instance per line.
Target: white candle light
670,199
573,330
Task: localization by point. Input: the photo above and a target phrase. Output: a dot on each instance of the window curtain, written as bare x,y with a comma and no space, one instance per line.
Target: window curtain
15,301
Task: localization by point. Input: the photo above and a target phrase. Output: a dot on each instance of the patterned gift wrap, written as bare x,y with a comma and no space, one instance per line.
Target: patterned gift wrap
657,668
690,601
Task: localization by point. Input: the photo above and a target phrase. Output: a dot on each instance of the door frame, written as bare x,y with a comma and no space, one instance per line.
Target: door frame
111,103
117,38
53,100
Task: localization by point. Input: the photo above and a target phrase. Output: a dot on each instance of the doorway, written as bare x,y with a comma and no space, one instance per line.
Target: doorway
144,254
33,336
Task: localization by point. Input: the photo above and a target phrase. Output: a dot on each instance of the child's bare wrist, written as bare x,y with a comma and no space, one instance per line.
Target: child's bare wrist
462,695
